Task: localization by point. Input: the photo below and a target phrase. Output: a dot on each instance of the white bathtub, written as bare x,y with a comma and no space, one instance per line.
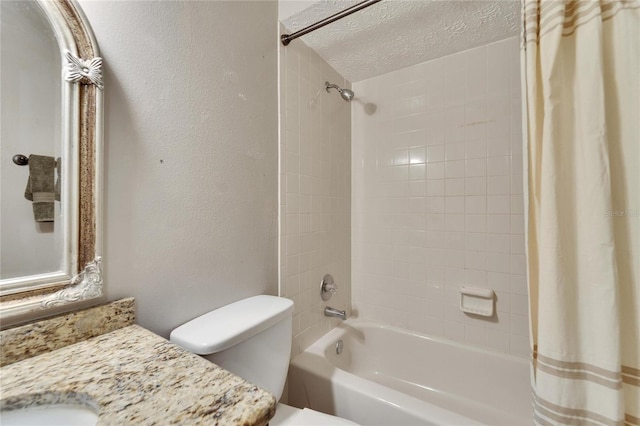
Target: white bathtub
390,376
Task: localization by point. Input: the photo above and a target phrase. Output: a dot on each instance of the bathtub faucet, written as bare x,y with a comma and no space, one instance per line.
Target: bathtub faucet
333,312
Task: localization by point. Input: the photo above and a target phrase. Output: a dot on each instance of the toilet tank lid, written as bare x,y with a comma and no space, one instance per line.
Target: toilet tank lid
231,324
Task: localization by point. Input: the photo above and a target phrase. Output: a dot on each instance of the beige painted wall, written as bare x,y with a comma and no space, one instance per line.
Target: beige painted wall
191,154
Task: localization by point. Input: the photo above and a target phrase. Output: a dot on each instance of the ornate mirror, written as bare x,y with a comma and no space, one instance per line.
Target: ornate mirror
51,157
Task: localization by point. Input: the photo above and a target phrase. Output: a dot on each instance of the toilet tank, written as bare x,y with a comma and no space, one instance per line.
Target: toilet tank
250,338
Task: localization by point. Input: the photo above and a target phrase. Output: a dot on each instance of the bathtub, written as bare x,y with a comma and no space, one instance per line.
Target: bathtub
390,376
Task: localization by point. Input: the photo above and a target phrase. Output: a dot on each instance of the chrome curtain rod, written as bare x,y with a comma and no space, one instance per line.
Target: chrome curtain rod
286,38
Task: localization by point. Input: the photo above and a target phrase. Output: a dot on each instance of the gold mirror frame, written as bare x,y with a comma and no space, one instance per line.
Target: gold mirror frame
83,131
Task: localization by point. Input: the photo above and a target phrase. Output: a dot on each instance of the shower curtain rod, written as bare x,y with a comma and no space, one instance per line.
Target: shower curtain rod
286,38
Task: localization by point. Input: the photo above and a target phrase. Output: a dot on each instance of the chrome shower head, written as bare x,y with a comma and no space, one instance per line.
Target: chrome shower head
346,94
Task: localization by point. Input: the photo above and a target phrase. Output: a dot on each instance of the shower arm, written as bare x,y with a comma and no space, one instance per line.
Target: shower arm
332,86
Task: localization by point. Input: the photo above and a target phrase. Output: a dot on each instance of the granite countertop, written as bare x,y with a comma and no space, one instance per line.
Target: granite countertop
133,376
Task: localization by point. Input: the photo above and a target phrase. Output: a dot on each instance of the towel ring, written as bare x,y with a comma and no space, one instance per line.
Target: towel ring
20,160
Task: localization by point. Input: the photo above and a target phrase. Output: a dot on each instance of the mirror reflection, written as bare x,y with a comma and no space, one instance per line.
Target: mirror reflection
31,100
51,113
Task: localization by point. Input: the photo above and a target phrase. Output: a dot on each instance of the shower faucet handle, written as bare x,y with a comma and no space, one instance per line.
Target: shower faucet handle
327,287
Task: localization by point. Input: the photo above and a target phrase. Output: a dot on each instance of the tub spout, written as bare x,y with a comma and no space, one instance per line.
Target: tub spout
332,312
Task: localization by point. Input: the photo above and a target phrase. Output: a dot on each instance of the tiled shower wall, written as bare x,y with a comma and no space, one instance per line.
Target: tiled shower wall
437,196
315,190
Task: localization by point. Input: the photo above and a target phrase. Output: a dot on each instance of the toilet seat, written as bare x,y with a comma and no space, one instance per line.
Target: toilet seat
290,416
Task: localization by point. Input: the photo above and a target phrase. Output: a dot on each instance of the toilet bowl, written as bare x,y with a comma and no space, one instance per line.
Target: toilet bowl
252,339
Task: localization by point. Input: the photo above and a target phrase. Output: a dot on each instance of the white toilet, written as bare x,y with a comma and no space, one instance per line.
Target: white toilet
252,339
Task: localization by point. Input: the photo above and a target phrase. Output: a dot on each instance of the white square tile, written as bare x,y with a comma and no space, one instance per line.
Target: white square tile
417,205
435,171
453,331
417,155
454,187
436,276
435,153
476,222
475,241
401,157
498,340
476,73
476,204
519,325
454,258
476,278
519,304
475,260
476,185
499,262
455,85
476,167
475,335
517,204
455,240
455,151
293,224
498,243
498,185
498,204
498,166
498,69
293,162
435,222
434,128
455,169
517,224
476,148
292,204
519,284
454,124
435,187
417,188
454,205
517,244
434,205
519,346
452,310
518,264
417,172
497,146
400,173
499,281
455,277
454,222
292,183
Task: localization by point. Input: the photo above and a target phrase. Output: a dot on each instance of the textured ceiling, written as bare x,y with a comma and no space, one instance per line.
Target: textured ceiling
395,34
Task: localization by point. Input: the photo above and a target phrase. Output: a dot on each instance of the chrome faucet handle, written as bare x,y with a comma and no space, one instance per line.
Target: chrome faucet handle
327,287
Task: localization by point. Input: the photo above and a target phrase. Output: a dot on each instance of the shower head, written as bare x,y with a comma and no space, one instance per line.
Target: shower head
346,94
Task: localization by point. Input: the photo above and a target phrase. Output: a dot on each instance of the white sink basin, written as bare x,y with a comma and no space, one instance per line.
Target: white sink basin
52,415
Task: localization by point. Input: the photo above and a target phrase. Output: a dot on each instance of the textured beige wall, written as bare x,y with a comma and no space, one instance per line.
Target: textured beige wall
191,154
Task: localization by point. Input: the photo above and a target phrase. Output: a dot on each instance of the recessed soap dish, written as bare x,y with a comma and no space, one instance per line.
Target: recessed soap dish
477,301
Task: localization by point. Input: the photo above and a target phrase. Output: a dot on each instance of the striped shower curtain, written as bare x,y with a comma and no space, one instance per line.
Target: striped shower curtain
582,78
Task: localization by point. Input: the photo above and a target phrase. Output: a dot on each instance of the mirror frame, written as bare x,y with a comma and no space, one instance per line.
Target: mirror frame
43,295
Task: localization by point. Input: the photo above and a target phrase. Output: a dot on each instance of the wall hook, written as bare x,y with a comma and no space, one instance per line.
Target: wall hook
20,160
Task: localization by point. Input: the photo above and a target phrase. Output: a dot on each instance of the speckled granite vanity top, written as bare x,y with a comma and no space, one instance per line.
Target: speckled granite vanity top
132,376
